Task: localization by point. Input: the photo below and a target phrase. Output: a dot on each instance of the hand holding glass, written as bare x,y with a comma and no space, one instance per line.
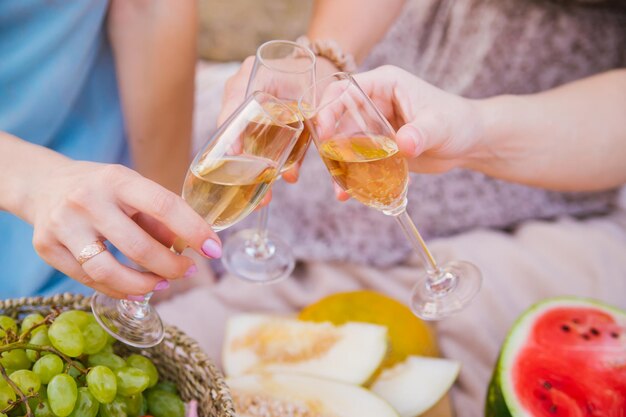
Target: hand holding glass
227,179
357,145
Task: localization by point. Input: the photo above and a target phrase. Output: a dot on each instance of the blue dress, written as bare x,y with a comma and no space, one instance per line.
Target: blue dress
57,89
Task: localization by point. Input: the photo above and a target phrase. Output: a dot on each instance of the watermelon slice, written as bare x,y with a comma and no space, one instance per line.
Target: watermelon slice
563,357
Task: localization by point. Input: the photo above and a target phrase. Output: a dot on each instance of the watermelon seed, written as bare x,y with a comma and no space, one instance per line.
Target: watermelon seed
614,335
553,409
585,336
547,385
577,321
565,328
594,331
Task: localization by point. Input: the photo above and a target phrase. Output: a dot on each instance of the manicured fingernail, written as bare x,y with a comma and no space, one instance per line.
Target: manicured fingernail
162,285
212,249
192,270
136,298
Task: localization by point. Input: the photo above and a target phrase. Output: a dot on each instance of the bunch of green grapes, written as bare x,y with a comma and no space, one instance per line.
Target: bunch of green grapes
64,365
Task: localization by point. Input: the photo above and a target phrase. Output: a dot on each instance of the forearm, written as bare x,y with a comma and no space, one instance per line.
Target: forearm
155,52
571,138
356,25
20,163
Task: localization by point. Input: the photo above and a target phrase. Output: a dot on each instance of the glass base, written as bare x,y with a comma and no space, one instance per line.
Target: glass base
253,259
445,292
133,323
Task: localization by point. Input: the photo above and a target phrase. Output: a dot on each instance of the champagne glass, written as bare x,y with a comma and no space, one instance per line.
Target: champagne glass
227,179
357,145
286,70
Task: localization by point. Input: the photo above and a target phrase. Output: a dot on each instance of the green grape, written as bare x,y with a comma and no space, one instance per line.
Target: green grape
66,337
62,394
15,359
131,381
40,339
107,348
117,408
7,324
75,373
165,404
102,384
78,318
43,409
146,365
86,405
95,338
168,386
47,367
136,405
6,394
27,381
30,321
110,360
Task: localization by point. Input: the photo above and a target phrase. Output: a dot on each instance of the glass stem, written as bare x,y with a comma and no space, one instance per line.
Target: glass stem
417,242
264,217
259,246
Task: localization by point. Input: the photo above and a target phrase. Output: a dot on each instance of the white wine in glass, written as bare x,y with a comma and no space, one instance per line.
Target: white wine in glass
226,180
357,146
284,69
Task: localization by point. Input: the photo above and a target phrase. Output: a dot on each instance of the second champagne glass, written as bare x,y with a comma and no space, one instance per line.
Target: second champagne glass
357,145
227,179
284,69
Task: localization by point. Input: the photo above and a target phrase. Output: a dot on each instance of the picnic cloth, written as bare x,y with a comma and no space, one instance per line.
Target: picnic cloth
537,260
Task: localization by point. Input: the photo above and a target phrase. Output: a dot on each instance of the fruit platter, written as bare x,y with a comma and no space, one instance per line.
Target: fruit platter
55,361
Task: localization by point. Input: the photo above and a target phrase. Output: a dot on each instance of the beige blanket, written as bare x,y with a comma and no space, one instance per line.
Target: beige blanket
540,259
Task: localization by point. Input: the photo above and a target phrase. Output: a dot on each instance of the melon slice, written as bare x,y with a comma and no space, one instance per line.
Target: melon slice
563,357
269,395
349,353
415,385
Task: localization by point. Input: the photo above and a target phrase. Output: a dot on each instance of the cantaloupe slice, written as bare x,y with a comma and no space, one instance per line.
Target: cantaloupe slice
297,395
415,385
349,353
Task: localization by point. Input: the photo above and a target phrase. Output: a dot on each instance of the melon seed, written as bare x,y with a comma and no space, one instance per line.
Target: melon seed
576,321
614,335
594,331
585,336
547,385
565,328
553,409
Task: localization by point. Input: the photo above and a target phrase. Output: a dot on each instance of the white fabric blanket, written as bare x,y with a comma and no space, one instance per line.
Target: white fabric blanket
539,260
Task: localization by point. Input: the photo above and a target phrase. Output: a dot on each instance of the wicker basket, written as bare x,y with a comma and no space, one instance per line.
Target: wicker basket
179,358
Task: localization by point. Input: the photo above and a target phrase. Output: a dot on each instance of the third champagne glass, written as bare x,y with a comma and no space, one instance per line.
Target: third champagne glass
284,69
357,145
225,182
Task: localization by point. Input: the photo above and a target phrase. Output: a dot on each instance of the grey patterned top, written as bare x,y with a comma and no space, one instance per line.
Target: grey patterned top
476,48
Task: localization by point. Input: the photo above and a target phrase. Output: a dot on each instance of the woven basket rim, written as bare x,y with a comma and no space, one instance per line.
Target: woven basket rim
216,393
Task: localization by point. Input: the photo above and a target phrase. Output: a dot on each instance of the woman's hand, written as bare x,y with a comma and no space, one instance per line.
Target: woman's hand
81,202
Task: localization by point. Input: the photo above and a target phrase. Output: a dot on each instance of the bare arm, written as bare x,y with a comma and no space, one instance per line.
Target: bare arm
570,138
355,24
154,44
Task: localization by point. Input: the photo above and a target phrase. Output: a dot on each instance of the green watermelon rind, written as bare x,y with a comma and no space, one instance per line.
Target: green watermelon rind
501,399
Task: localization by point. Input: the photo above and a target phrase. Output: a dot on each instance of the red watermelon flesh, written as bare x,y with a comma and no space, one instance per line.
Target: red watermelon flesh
574,364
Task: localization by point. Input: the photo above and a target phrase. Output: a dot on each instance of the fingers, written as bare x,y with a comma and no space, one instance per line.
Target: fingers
172,211
266,200
143,249
291,175
340,194
235,90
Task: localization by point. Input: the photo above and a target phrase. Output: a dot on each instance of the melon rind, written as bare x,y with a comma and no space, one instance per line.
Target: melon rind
501,398
353,359
336,398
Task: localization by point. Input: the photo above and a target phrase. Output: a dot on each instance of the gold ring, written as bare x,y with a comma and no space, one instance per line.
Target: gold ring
90,251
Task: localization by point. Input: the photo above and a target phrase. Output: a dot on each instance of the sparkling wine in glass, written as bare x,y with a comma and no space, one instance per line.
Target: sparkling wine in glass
227,179
284,69
357,145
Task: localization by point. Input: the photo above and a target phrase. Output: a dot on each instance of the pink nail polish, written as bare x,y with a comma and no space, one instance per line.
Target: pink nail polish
212,249
137,298
162,285
192,270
